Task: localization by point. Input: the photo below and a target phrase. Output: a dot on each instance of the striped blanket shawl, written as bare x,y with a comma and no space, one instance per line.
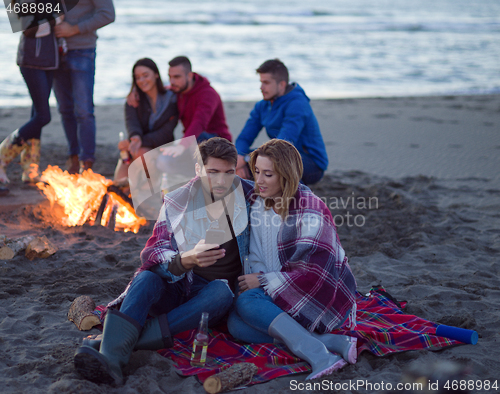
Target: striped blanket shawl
315,284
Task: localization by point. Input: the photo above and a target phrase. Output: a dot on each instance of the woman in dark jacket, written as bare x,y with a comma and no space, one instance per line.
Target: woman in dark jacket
37,57
152,123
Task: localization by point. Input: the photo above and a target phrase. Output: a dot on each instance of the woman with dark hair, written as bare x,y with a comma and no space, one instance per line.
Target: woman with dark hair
152,123
297,285
37,58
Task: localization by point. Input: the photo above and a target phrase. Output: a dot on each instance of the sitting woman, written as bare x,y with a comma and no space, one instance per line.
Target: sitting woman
297,285
152,123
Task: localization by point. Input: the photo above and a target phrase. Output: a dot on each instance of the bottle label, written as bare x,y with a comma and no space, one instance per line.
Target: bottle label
203,357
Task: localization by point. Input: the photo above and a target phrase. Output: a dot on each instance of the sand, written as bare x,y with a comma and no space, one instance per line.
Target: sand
427,165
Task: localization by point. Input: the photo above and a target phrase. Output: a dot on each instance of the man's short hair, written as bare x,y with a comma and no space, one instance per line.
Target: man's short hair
276,68
218,148
181,61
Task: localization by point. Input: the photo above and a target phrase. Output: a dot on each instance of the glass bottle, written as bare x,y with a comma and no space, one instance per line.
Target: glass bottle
164,185
200,343
124,155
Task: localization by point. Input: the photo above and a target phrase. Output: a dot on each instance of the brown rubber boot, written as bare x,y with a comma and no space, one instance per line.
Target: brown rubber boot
72,164
85,165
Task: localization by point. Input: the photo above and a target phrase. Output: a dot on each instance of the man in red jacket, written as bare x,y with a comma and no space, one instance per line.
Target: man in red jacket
200,106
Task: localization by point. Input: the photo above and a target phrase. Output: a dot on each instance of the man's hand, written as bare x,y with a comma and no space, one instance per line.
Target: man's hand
202,255
173,151
64,29
133,98
242,168
135,145
249,281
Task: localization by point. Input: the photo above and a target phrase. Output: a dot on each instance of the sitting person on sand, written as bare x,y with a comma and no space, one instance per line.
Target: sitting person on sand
286,114
152,122
180,276
298,285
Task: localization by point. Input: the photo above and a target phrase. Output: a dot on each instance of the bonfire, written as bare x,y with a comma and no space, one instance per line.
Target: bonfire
89,198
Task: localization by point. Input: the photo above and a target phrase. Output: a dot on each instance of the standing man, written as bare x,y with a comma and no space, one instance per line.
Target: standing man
74,80
200,106
286,114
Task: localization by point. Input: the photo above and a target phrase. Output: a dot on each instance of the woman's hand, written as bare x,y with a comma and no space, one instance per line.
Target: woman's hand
123,145
135,145
249,281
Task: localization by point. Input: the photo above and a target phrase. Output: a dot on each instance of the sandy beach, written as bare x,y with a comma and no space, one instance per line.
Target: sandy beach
431,236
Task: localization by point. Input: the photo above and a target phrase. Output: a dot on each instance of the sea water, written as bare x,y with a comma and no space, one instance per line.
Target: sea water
333,48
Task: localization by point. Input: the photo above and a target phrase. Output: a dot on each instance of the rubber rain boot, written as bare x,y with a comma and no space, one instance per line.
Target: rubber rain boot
10,148
119,337
155,335
30,160
305,346
344,345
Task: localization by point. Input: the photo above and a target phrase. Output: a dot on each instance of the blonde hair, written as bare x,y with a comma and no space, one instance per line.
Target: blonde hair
287,164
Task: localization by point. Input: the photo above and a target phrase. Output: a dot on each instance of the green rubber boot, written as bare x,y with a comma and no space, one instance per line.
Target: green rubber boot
119,337
155,335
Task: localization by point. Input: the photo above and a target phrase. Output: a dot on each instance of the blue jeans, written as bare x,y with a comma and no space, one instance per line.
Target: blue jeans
39,84
149,293
253,313
312,173
74,89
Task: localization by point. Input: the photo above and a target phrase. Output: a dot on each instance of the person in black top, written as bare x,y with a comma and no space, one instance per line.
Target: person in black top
152,123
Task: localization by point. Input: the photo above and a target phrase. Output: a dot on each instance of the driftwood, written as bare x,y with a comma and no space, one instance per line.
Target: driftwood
80,313
40,247
230,378
10,247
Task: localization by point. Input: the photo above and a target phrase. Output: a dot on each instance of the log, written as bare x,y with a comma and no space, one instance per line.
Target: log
234,376
100,211
11,247
6,253
112,217
40,247
80,313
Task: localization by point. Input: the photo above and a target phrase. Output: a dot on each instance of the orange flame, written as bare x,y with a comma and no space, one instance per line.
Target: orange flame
80,196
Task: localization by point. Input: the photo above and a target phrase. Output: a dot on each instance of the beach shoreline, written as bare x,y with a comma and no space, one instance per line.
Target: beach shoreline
432,239
446,137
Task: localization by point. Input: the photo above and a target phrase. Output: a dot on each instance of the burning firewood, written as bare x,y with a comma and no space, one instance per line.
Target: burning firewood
80,313
83,199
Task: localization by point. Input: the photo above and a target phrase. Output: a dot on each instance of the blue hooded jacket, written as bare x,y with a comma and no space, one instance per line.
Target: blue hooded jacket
289,117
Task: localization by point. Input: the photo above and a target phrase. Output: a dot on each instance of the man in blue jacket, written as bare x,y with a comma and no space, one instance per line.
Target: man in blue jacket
286,114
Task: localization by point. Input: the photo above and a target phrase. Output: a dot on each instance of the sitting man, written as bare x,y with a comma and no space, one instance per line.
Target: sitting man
181,276
286,114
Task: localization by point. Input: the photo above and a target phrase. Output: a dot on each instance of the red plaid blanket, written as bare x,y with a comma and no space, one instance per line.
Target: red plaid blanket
382,328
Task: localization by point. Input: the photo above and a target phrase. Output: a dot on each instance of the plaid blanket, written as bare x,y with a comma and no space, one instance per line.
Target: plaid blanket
382,328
